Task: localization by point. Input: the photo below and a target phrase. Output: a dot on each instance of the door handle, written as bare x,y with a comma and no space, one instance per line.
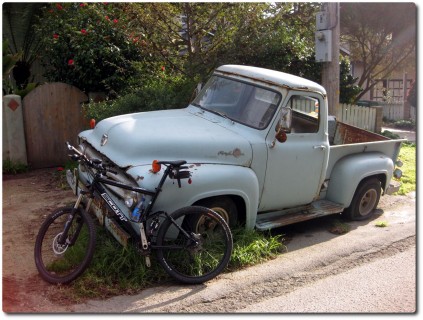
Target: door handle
321,147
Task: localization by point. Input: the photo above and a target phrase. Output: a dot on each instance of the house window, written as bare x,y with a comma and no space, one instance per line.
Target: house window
391,91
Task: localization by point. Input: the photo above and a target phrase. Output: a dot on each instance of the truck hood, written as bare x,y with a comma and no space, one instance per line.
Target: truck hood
139,138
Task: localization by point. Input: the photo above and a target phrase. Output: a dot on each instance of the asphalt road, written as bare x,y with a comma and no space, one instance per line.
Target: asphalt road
367,270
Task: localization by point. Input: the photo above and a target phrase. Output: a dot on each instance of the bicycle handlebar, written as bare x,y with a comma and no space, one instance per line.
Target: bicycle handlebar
93,163
174,166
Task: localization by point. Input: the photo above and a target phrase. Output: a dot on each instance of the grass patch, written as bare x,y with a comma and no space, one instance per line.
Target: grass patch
116,270
408,157
252,247
381,224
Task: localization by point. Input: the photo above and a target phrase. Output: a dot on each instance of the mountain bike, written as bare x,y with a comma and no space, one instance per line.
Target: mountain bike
193,244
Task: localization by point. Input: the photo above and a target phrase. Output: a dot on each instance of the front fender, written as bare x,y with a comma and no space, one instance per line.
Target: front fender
349,171
208,180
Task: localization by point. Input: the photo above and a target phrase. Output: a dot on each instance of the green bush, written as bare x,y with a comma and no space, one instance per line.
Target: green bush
390,134
88,45
162,92
405,124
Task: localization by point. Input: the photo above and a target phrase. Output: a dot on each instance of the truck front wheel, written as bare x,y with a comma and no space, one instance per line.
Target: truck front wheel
365,200
224,206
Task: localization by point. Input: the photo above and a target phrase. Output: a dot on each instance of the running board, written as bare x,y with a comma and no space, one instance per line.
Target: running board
320,208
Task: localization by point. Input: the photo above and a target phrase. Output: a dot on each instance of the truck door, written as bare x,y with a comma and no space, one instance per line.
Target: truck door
296,168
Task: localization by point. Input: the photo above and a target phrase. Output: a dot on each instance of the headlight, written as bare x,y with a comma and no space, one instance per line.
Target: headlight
130,199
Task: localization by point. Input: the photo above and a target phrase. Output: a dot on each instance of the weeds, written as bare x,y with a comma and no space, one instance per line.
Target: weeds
408,157
251,247
381,224
11,167
116,270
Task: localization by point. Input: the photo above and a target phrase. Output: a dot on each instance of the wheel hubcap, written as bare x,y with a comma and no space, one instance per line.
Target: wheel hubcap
223,213
368,202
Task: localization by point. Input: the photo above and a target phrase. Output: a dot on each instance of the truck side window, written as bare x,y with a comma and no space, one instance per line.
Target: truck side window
305,115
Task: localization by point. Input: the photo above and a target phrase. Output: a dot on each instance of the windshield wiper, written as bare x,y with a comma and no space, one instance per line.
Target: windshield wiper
222,114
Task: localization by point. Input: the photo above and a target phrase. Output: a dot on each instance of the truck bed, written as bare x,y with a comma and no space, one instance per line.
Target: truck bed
346,140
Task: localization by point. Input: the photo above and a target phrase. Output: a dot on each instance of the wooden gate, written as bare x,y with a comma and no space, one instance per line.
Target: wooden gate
52,116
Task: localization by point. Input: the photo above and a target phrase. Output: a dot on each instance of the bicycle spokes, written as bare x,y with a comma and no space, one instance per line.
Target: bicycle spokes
199,253
62,262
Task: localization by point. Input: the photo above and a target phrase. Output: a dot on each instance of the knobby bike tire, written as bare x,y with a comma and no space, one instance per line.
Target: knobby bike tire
63,264
185,261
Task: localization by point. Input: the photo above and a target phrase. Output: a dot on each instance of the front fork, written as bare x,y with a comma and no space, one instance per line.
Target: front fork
63,239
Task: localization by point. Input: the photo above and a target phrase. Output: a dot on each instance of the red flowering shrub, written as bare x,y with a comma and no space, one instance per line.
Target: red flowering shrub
89,47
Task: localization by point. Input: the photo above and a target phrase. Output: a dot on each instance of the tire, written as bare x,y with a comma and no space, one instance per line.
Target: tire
225,207
365,200
63,264
194,263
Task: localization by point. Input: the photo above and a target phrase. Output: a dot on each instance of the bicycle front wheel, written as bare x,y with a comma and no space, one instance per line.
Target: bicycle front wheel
63,263
198,253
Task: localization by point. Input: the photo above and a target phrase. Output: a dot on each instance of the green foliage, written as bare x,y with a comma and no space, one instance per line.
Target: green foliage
276,36
88,45
18,27
347,87
11,167
9,61
390,134
252,247
405,124
408,157
116,270
163,92
381,224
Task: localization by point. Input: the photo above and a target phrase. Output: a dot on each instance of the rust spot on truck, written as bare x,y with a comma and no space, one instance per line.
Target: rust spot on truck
235,153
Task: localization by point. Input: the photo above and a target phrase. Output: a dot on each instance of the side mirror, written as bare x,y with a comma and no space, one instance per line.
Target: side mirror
281,135
283,126
286,120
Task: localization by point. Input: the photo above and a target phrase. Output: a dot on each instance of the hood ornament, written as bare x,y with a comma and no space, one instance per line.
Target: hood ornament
104,139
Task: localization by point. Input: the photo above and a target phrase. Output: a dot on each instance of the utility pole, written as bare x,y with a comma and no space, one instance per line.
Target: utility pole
327,51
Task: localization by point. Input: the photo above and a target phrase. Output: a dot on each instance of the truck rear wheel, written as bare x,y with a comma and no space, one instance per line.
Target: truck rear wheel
224,206
365,200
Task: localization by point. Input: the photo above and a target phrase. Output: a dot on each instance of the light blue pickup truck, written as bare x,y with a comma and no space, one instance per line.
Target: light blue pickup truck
261,149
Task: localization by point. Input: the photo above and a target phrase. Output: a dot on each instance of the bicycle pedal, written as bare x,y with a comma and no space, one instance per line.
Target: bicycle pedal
148,261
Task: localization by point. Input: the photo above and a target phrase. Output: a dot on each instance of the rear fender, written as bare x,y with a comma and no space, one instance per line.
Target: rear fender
349,171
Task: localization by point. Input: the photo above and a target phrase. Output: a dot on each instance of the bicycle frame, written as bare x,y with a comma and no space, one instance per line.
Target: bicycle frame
97,187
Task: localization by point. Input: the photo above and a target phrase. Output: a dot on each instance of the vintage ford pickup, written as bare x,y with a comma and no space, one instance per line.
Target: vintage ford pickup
261,148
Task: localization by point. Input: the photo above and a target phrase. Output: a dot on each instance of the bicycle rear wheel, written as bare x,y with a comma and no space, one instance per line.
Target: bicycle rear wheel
63,263
200,254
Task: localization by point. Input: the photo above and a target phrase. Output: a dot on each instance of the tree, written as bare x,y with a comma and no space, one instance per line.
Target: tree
195,38
278,36
382,37
187,37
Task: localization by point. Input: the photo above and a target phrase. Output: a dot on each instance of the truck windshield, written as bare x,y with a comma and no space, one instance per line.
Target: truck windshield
241,102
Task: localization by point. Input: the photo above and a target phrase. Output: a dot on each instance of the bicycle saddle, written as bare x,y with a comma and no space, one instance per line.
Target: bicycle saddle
176,163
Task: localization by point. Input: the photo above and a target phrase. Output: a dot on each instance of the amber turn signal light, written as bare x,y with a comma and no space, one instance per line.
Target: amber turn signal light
155,166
